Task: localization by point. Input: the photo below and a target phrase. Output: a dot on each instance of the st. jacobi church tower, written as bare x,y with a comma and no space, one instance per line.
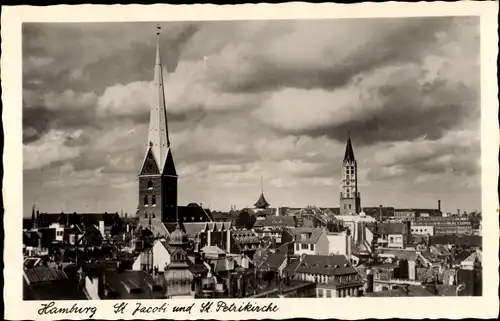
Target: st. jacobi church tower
158,177
350,201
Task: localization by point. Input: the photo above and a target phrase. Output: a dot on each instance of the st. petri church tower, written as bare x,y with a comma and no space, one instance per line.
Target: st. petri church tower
158,177
350,201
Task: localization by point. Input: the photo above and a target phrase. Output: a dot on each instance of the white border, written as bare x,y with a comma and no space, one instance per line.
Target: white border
416,308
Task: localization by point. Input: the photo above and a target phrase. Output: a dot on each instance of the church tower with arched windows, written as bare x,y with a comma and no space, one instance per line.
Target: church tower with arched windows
350,199
158,177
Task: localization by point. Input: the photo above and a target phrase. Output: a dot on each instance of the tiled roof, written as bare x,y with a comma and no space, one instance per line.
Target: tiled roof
313,234
273,260
325,265
43,274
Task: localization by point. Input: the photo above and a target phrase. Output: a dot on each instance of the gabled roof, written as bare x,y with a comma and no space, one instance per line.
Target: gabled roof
329,265
312,233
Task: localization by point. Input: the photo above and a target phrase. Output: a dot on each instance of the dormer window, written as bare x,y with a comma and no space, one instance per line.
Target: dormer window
150,183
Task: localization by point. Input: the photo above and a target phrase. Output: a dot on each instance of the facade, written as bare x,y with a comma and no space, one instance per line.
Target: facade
445,225
422,230
153,259
354,223
340,243
311,241
350,201
333,274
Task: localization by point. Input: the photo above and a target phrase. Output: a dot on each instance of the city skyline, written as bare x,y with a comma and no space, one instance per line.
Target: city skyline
240,96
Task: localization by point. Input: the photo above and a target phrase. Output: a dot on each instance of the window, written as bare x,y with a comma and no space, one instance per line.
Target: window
345,206
312,247
154,214
146,215
153,200
150,184
304,246
349,206
320,293
145,200
328,293
352,170
297,247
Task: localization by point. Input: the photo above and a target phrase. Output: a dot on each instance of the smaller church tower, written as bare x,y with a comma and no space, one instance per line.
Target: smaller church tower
261,202
350,199
178,277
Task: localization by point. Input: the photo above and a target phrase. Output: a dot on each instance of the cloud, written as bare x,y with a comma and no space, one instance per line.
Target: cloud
394,103
247,99
50,149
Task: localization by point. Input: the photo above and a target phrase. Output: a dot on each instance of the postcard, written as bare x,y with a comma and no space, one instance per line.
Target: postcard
251,161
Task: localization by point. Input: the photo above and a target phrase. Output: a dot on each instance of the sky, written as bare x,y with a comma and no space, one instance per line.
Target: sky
251,99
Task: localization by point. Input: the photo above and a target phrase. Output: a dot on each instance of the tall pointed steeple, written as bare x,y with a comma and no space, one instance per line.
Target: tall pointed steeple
158,177
349,152
158,136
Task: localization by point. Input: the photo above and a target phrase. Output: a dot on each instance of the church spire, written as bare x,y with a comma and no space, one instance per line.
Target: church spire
158,137
349,152
261,202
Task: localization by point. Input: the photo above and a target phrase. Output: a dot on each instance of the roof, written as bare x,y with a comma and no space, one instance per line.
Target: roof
273,260
387,228
245,237
325,265
76,218
56,290
416,291
471,240
261,202
349,152
193,213
135,285
214,250
409,255
43,274
313,234
277,221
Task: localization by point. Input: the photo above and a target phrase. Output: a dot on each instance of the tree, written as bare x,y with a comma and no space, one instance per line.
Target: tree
245,220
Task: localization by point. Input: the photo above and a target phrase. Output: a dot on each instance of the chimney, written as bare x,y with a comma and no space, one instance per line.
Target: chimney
101,227
228,241
380,213
439,205
369,283
458,212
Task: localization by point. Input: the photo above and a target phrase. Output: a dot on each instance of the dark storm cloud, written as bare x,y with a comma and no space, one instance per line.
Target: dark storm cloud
37,121
406,43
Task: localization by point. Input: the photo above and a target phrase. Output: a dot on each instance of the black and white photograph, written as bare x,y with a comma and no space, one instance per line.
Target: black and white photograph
335,158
